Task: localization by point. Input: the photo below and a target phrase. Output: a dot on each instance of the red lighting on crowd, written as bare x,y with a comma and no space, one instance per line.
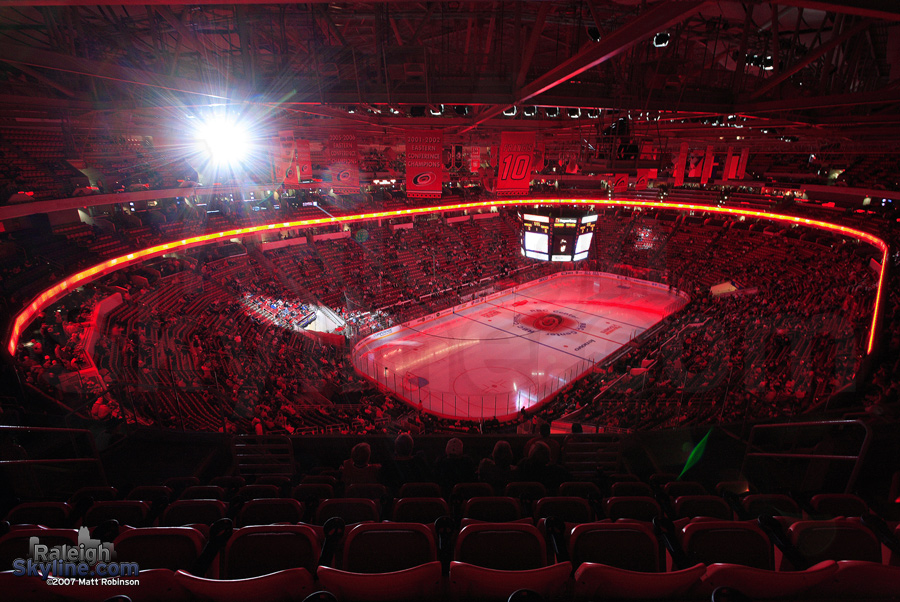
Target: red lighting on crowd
44,299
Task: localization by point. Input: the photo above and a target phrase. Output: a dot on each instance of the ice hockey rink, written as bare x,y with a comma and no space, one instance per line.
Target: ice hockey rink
513,349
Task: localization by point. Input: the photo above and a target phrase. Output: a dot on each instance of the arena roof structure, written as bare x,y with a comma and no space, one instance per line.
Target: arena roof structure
790,75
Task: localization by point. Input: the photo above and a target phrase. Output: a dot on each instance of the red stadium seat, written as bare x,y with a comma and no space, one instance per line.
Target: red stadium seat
832,505
494,509
763,583
150,493
420,509
170,548
597,581
464,491
859,580
528,490
351,510
425,489
48,514
385,562
692,506
493,560
771,504
193,512
633,507
631,489
732,542
567,509
97,494
306,492
128,512
675,489
255,492
267,511
15,544
370,491
835,539
288,585
203,492
263,549
579,489
627,545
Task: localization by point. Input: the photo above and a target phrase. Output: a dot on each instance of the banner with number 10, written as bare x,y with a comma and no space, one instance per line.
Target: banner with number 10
514,162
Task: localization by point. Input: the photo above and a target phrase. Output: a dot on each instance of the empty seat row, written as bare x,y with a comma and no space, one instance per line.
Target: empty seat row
268,509
403,561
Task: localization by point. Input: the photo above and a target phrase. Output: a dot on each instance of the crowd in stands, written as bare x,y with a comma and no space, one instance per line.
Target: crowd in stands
186,351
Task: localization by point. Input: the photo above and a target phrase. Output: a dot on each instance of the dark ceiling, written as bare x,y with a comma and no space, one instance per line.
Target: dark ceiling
791,74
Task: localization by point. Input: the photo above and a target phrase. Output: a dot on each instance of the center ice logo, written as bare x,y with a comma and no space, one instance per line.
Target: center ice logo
554,323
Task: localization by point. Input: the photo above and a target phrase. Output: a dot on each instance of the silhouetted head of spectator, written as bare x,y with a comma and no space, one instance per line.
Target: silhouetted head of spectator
539,453
502,454
545,430
454,447
360,454
577,429
403,445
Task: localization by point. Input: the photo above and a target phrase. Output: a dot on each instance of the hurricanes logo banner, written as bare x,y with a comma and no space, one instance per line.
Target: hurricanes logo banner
514,162
475,159
304,159
643,178
344,169
424,163
285,160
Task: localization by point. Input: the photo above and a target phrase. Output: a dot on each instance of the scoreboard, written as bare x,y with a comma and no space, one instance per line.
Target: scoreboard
554,236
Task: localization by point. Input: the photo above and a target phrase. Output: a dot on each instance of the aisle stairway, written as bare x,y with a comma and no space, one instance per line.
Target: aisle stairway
587,454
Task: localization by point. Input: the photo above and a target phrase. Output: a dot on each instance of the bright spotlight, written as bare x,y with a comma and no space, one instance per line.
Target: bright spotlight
224,140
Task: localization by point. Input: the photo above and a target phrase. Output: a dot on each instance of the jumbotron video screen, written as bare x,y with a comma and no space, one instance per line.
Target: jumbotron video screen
555,236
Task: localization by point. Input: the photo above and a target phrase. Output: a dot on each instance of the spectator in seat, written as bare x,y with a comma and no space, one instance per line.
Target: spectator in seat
453,466
538,467
406,465
544,437
498,469
357,469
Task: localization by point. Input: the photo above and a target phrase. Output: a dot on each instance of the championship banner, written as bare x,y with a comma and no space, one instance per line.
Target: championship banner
344,155
742,166
514,162
679,164
538,164
731,164
643,178
303,159
475,159
424,158
708,161
285,167
620,182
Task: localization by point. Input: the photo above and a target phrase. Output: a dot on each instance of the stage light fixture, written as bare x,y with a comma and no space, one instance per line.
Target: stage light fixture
661,40
768,63
552,111
461,110
529,111
573,113
510,112
436,110
594,33
225,140
592,113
